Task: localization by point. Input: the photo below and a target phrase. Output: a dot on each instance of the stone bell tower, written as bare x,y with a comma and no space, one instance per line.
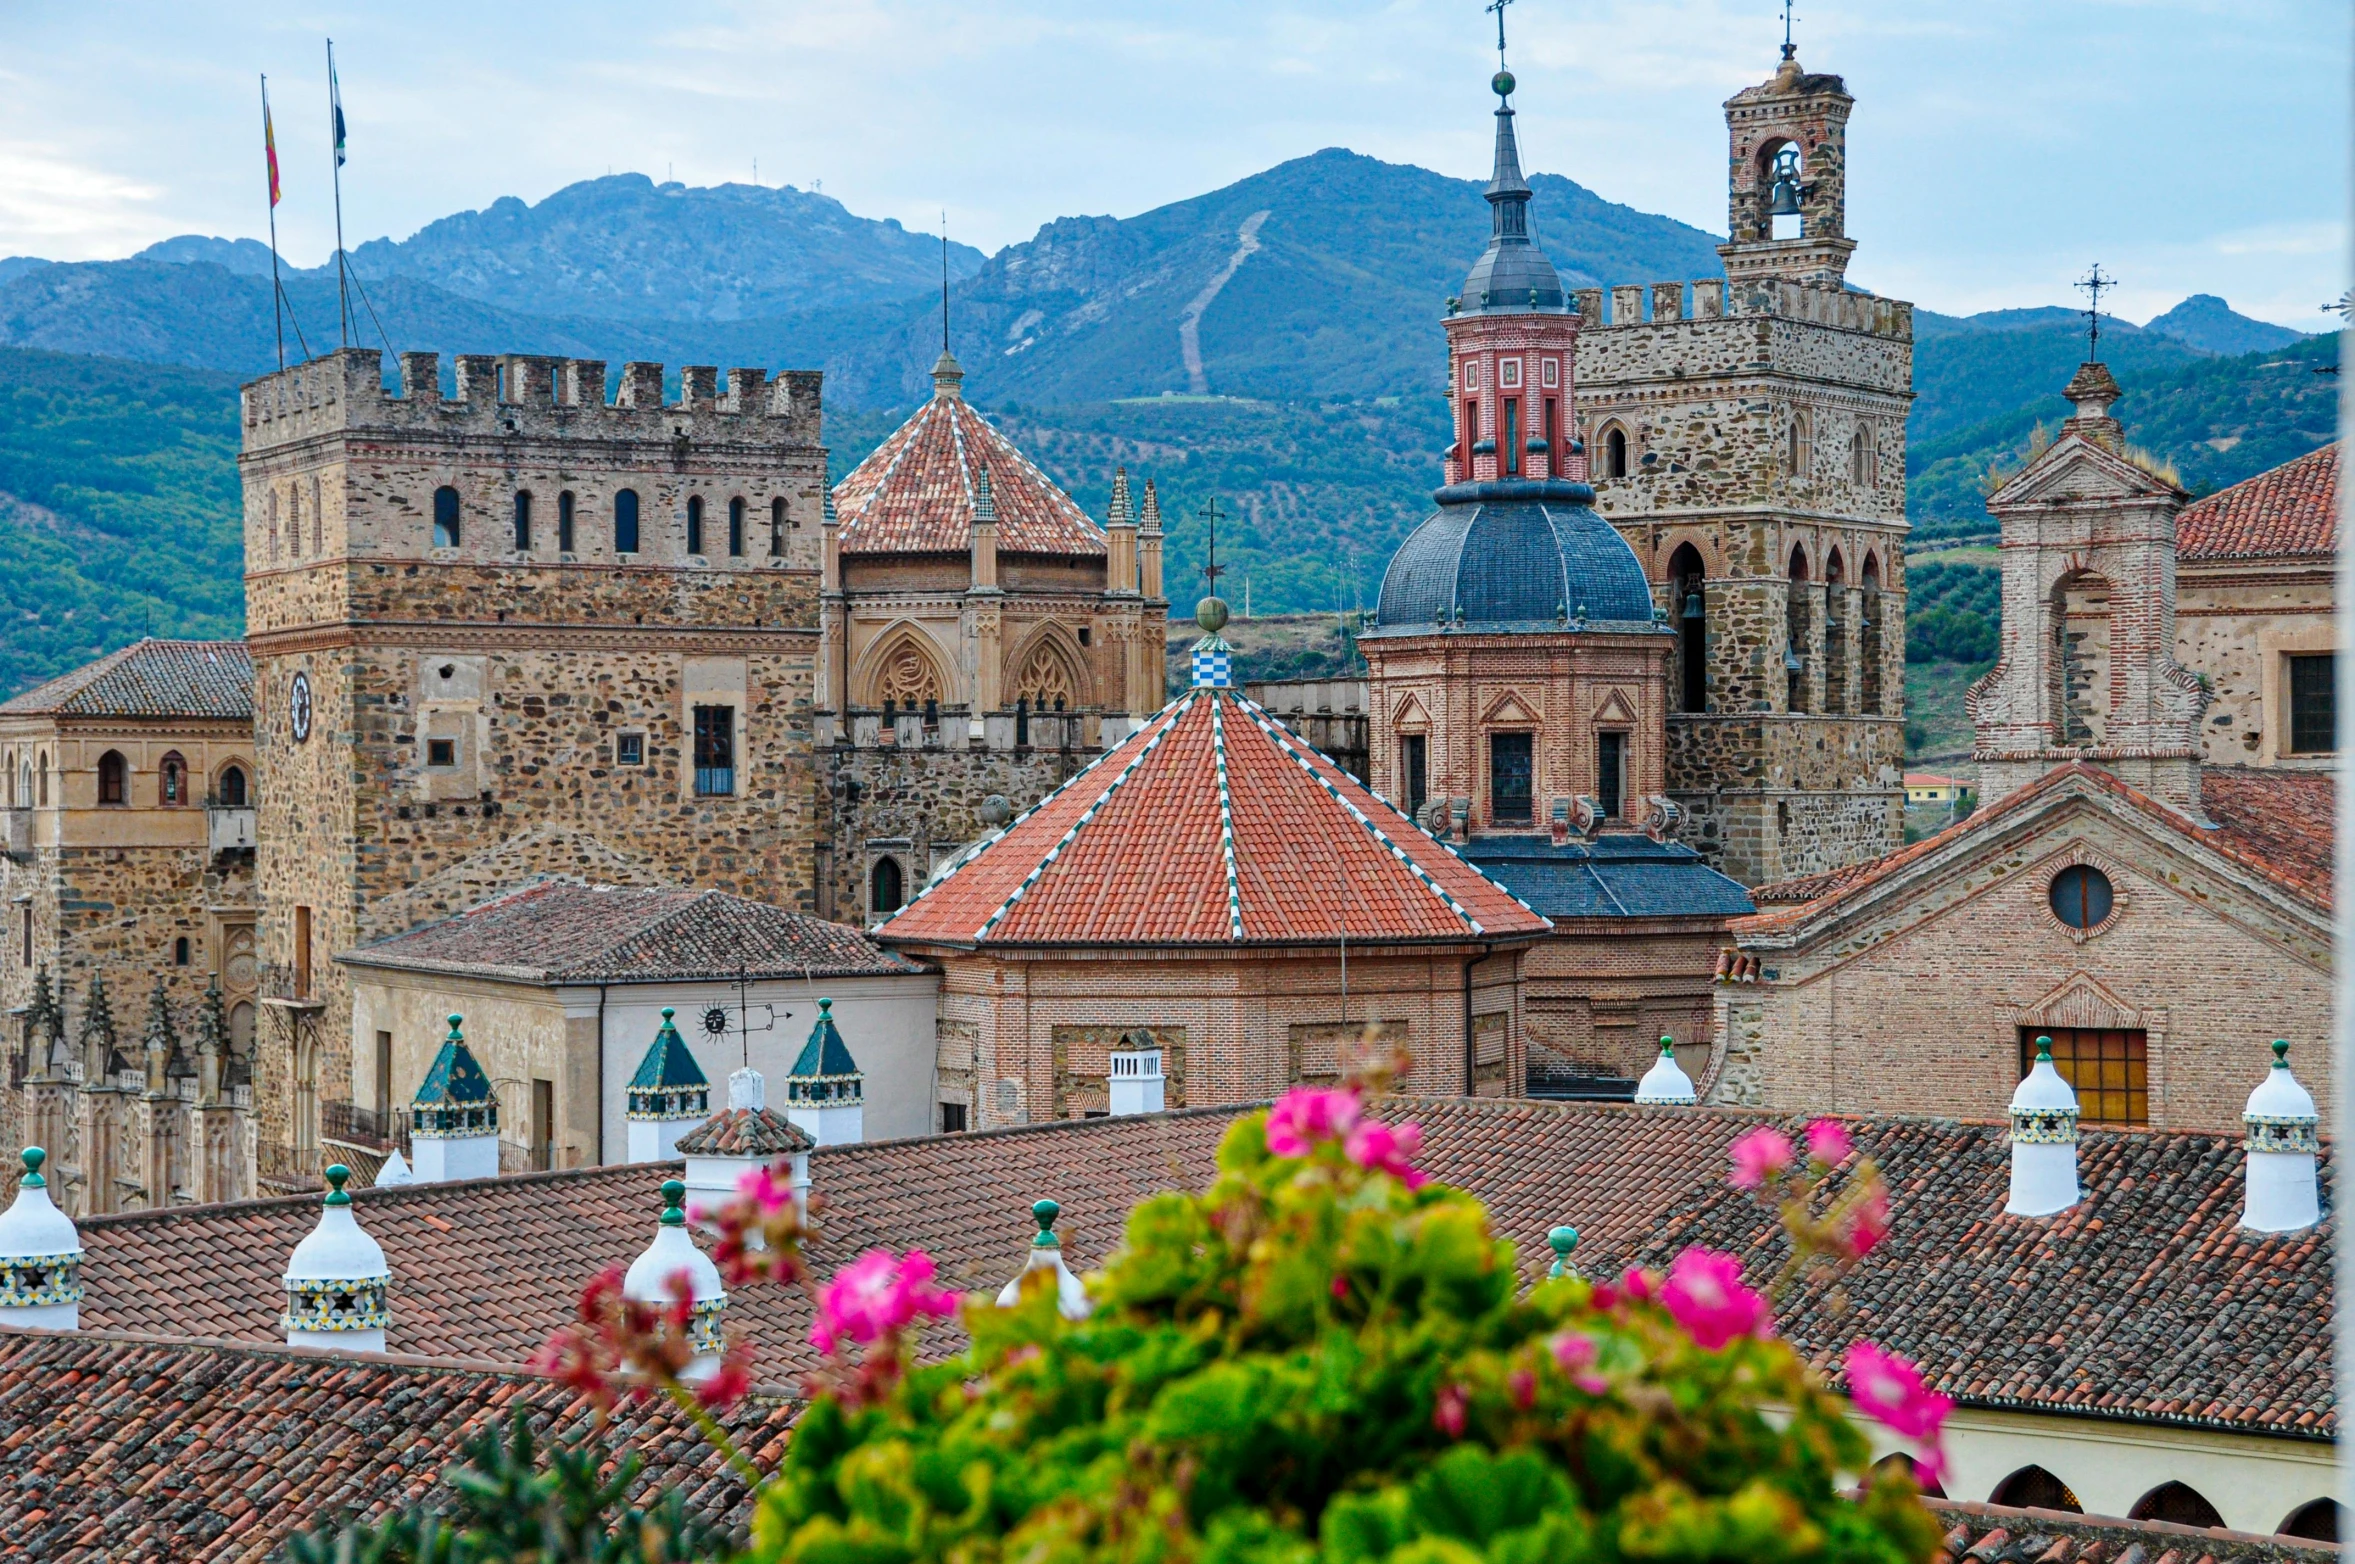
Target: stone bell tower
1746,435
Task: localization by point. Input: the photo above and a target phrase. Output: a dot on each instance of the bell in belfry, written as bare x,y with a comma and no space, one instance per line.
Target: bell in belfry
1784,201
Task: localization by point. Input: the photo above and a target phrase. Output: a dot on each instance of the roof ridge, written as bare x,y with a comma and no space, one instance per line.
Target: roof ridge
1071,833
1006,441
1226,819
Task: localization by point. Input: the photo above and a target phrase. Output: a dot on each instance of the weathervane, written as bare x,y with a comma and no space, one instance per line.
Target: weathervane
715,1017
2091,285
1212,571
1790,51
1498,6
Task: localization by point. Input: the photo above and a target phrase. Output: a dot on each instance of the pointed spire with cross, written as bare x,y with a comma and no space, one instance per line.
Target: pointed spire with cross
1213,658
1498,7
2093,284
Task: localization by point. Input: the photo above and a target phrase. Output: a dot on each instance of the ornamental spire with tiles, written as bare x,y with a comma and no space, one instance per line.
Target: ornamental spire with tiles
40,1257
1665,1084
826,1091
668,1096
454,1119
338,1285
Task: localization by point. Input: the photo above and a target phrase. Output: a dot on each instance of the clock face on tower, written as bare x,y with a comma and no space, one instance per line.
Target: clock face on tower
298,707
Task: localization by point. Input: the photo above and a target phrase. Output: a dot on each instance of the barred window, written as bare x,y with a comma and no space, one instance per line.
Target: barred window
2314,703
2109,1070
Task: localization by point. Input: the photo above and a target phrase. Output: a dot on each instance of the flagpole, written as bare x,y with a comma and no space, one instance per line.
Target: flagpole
270,155
343,290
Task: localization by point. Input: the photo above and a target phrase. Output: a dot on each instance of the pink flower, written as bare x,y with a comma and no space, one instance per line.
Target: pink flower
1306,1115
1889,1390
876,1295
1448,1414
1705,1295
1866,1224
764,1187
1523,1386
1379,1148
1636,1284
1828,1143
1573,1351
1605,1297
1758,1156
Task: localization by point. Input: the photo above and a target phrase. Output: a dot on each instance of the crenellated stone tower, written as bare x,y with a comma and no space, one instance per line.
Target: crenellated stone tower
517,631
1746,435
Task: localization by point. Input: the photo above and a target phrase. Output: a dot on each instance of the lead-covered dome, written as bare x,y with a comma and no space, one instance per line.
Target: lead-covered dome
1519,555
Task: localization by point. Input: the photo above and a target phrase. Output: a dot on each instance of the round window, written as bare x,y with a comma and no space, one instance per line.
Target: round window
2081,896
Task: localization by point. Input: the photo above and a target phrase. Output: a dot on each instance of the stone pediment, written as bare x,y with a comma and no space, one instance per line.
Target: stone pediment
2081,1003
1509,709
1410,717
2076,468
1616,707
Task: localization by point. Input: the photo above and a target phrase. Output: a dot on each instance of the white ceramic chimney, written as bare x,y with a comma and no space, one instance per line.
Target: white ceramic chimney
648,1280
1046,1254
337,1284
2284,1136
40,1257
1665,1084
2044,1140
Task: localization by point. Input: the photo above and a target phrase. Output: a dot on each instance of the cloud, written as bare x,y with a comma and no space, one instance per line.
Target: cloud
56,205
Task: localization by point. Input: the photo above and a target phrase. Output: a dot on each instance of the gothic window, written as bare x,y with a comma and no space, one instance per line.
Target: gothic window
1798,449
1046,682
445,517
1870,638
2317,1519
113,779
907,681
2032,1487
171,781
564,522
2177,1502
1835,634
1689,608
233,788
1510,779
1795,632
1860,458
715,751
736,528
523,521
776,528
887,888
1614,452
695,524
625,522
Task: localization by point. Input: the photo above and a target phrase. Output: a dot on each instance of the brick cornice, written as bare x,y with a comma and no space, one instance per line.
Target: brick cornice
444,635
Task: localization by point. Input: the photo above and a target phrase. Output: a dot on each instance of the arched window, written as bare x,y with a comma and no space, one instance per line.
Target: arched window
1835,633
736,528
1795,628
564,522
776,529
1047,681
1614,452
2178,1502
523,521
1798,449
233,787
445,517
294,523
180,951
625,522
694,523
907,681
171,781
2317,1519
1899,1461
113,779
2034,1488
1860,458
1871,641
42,771
886,888
1689,609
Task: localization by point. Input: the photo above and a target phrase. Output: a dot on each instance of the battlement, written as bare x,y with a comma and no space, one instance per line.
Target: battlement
1717,298
530,396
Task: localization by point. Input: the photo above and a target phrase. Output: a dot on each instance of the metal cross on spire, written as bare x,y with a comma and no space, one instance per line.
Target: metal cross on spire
1790,50
1212,571
1498,6
2092,285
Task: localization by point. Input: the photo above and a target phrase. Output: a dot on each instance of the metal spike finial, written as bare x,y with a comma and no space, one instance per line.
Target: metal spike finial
944,279
1498,7
1790,50
1211,516
2093,284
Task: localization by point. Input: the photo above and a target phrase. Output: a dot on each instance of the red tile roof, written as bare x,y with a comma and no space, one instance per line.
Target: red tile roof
1212,825
745,1132
2289,510
2000,1534
2146,1302
2277,823
150,678
559,932
915,494
124,1448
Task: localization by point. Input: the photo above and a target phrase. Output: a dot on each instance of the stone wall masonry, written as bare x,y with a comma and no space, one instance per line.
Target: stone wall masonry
2237,624
1602,994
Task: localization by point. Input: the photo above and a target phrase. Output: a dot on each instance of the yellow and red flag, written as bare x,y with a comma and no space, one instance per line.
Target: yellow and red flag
270,144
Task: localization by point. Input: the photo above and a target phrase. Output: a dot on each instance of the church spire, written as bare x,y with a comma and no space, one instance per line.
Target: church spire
1513,274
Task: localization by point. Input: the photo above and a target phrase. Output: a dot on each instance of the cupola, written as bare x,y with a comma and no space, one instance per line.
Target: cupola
648,1281
1046,1254
2284,1137
40,1257
668,1096
454,1119
1665,1084
337,1284
2044,1140
825,1095
1133,1076
744,1135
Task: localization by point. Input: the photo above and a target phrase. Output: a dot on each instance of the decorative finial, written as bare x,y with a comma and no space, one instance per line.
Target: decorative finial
1211,612
1790,51
455,1036
1046,1211
825,1009
2281,1057
674,1203
337,1175
667,1013
2044,1050
34,1157
1504,78
1561,1240
2092,285
1667,1046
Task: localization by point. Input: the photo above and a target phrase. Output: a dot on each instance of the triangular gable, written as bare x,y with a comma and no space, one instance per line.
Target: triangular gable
1411,715
2081,1003
2076,468
1615,708
1509,707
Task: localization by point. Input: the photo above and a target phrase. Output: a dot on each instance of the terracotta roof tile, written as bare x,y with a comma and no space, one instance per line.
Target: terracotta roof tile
745,1132
915,493
2289,510
150,678
555,931
1136,850
129,1448
2281,820
2145,1302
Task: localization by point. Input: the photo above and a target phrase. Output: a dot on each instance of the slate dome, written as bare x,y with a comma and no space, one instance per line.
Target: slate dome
1513,555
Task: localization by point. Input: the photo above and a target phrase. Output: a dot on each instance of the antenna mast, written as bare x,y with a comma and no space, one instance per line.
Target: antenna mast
343,286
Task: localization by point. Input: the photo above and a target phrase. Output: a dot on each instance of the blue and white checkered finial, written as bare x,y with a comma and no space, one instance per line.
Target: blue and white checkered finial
1214,660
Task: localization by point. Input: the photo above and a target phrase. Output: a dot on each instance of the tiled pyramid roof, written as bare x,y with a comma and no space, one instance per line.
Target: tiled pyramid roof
745,1132
825,1054
455,1076
150,678
915,494
558,932
2292,509
1212,825
669,1064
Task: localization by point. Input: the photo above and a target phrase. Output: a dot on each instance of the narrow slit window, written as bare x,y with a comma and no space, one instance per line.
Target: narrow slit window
695,524
776,529
625,522
736,529
564,522
523,521
445,517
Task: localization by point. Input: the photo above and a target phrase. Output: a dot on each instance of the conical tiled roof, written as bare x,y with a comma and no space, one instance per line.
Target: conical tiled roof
916,493
668,1065
1212,825
825,1056
456,1079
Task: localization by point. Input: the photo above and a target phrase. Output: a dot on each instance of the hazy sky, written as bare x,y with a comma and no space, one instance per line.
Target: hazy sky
1998,146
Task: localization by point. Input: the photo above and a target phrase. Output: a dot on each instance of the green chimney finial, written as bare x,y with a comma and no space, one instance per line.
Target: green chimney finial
1562,1240
2281,1053
674,1201
455,1036
1046,1211
1667,1046
2044,1050
825,1008
338,1175
34,1157
667,1013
